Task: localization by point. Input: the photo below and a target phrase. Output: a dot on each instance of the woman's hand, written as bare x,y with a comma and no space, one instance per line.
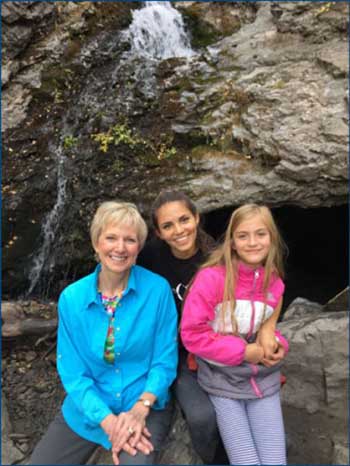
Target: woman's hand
254,353
108,424
144,446
129,427
267,339
114,425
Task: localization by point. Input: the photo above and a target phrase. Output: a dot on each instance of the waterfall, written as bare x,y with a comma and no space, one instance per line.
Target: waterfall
49,226
157,31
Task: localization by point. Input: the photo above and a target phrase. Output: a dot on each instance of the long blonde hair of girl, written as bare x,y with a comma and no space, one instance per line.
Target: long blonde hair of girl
225,255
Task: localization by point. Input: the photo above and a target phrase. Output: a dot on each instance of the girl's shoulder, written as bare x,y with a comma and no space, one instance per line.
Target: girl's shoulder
209,282
215,272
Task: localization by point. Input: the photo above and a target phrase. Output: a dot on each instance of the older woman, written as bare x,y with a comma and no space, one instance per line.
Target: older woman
117,351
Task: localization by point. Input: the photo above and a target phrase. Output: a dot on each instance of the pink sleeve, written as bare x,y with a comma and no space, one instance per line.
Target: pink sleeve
283,341
197,335
279,288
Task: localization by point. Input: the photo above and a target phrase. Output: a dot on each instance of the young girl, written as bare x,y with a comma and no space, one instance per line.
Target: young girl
233,294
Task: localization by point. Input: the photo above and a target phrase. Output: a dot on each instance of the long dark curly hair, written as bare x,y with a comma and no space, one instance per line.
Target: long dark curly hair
205,243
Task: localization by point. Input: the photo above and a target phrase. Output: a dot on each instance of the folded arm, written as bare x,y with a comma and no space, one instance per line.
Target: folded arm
196,332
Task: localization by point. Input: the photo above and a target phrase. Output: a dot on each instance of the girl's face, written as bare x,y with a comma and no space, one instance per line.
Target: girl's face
117,248
252,241
177,226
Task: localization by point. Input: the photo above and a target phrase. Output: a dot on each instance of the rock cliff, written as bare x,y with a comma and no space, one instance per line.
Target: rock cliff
259,113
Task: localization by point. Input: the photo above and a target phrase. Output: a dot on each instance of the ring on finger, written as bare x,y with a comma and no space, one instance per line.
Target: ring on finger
130,430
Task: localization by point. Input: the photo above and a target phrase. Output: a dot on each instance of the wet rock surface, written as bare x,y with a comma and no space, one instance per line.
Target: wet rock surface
259,113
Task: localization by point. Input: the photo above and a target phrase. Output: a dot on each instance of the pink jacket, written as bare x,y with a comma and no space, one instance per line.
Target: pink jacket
200,325
222,370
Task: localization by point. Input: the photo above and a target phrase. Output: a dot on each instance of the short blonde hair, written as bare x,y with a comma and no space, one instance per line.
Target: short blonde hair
118,213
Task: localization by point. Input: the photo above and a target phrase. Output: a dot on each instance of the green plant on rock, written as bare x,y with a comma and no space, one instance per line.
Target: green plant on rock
165,152
280,84
325,8
117,134
69,142
147,150
57,96
163,149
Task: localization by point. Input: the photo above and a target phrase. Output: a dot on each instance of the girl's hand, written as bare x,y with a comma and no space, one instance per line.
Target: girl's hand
275,358
266,338
254,353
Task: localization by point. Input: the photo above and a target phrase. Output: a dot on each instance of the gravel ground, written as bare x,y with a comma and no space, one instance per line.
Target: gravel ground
31,387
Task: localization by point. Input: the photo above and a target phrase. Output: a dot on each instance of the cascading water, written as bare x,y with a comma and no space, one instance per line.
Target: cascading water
157,31
50,226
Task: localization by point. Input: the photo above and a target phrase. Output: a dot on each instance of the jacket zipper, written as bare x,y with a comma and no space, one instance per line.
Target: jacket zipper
252,319
254,367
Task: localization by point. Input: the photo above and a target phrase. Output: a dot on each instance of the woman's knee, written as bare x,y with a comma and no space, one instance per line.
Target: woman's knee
202,417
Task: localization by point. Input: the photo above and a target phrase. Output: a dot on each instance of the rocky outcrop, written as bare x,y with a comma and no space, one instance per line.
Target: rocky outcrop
258,114
271,99
37,35
26,318
315,397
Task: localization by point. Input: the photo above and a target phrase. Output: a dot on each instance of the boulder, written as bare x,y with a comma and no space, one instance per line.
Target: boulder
315,397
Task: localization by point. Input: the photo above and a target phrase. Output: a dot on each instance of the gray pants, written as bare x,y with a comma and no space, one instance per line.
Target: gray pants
60,445
198,411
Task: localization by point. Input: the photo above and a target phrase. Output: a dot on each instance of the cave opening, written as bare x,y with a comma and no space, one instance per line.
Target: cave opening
317,239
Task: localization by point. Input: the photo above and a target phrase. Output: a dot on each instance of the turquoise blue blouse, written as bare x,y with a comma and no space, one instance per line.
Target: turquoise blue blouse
145,349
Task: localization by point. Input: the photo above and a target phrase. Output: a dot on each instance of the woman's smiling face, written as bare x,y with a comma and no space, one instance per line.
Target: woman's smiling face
117,248
178,227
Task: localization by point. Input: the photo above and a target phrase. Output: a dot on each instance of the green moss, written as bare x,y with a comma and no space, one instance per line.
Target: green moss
56,81
184,84
118,166
280,84
325,8
202,33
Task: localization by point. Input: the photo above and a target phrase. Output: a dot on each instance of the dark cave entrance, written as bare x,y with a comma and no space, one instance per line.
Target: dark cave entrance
317,238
